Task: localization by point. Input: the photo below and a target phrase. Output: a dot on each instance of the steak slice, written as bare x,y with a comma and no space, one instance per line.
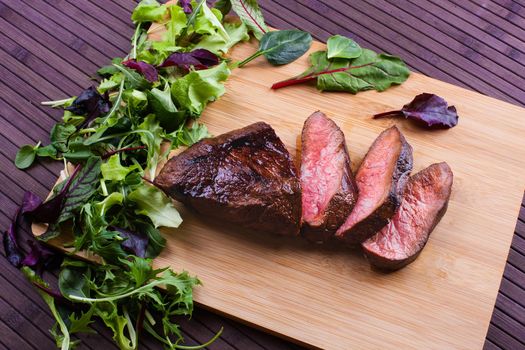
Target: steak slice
245,176
424,203
327,183
381,179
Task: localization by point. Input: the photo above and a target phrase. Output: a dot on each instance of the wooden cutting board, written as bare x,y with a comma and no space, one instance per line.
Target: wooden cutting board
328,297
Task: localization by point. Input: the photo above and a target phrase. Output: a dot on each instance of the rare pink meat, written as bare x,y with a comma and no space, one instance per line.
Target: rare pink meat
423,205
380,181
328,188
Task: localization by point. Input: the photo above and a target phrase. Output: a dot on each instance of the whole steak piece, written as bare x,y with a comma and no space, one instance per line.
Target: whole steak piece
424,203
381,179
327,183
245,176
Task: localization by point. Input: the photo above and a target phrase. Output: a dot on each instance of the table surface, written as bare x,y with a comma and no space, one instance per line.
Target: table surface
50,49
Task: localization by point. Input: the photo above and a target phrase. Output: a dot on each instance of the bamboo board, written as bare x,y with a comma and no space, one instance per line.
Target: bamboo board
328,297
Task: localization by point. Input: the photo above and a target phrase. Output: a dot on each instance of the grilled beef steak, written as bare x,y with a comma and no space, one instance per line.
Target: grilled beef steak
381,179
245,176
424,203
327,183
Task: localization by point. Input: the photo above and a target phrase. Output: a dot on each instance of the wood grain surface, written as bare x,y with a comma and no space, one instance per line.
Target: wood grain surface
49,50
328,296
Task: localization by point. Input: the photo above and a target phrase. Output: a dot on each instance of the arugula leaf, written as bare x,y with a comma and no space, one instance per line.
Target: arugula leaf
189,136
250,14
63,340
342,47
153,203
25,156
197,88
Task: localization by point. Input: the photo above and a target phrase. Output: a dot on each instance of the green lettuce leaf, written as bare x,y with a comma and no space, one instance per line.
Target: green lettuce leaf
208,21
112,170
197,88
149,11
153,203
218,45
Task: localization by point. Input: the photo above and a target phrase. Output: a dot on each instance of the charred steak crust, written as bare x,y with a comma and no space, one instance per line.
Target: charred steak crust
343,200
425,201
245,176
368,226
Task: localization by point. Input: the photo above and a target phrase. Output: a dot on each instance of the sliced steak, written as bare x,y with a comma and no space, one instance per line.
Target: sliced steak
245,176
327,183
424,203
381,179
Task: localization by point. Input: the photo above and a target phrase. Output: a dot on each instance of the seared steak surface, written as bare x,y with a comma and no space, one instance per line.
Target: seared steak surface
245,176
424,203
381,179
328,186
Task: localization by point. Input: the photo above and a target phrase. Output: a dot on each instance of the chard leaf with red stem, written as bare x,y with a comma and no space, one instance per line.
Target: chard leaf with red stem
429,110
369,71
251,15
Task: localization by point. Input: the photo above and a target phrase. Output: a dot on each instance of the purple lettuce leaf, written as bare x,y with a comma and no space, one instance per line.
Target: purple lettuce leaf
198,59
134,242
430,110
147,70
186,6
91,104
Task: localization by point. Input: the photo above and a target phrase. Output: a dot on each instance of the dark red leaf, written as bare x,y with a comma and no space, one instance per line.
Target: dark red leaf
186,6
38,255
91,104
198,59
147,70
429,109
134,242
12,252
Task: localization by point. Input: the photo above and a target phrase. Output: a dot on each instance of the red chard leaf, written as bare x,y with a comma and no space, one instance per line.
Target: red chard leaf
198,59
147,70
428,109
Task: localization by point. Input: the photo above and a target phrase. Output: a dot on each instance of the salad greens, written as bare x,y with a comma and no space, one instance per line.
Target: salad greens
282,47
113,136
350,69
